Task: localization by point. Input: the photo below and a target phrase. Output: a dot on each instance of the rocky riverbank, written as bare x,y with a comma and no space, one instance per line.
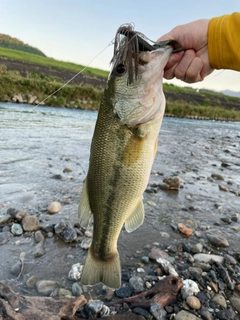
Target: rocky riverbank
189,239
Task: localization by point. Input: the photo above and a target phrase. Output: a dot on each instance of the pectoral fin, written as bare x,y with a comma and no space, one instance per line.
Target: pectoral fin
136,218
84,210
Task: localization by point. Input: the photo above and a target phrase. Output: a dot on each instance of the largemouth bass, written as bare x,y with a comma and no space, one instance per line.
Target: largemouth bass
123,148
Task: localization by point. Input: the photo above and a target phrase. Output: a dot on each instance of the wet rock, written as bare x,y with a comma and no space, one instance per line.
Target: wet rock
77,289
216,238
217,176
4,218
20,215
143,313
158,311
197,248
190,288
185,230
39,250
109,293
46,287
185,315
66,231
219,300
30,283
64,292
123,292
30,223
75,272
235,303
54,207
93,308
38,236
86,243
137,284
223,188
226,314
173,183
167,267
230,259
193,302
5,237
157,253
16,229
206,315
203,257
88,233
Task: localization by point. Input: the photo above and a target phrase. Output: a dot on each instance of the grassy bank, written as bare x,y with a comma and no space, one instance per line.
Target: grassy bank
181,102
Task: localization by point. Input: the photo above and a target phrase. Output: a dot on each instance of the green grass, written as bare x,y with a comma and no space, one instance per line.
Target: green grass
50,62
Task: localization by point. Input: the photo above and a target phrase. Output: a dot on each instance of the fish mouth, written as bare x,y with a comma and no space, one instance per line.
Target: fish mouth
128,46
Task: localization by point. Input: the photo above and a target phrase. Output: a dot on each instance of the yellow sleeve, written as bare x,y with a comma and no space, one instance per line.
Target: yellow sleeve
224,42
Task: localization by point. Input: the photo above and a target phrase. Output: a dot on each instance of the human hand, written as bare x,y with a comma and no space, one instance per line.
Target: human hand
191,65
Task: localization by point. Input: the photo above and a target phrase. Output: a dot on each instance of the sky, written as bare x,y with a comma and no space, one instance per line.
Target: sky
77,30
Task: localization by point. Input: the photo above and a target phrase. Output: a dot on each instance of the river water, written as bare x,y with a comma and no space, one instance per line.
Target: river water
38,143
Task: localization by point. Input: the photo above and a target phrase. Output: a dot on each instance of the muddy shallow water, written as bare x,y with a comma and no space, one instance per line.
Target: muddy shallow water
37,144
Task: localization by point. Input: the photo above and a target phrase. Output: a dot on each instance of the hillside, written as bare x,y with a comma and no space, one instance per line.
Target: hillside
13,43
29,75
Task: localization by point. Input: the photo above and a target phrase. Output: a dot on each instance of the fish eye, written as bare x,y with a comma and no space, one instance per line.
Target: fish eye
120,69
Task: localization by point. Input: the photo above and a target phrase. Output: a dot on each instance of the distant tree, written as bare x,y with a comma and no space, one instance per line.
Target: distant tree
7,41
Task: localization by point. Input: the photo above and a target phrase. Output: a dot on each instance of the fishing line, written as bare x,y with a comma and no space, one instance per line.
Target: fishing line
64,85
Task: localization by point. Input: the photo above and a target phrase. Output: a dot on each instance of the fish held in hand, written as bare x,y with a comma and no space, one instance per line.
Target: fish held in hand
122,151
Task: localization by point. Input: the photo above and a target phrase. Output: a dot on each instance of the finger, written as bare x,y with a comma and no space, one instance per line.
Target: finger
183,65
194,71
174,59
169,73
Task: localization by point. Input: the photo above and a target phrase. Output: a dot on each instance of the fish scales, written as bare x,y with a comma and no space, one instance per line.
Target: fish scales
122,152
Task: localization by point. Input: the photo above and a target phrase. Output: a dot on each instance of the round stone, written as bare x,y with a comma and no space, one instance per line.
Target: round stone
16,229
193,302
54,207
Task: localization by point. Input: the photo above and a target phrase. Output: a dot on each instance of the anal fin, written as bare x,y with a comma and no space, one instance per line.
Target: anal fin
84,210
136,218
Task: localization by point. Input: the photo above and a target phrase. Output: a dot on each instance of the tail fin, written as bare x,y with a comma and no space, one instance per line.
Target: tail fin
107,272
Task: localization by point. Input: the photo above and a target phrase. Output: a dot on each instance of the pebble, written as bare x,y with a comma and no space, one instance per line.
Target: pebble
39,250
86,243
185,315
223,188
5,218
123,292
88,233
173,183
217,176
67,169
66,231
137,284
216,238
219,300
206,315
38,236
158,311
54,207
19,215
30,223
46,287
185,230
96,309
143,313
203,257
157,253
16,229
109,293
145,259
197,248
30,283
5,236
64,293
189,288
235,303
230,259
167,267
193,302
75,272
77,289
